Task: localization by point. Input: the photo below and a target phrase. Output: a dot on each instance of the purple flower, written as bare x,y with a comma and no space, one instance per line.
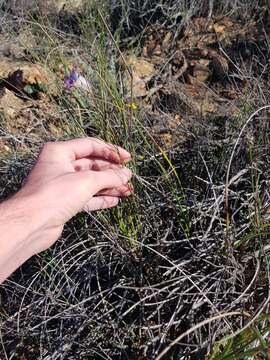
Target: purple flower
70,81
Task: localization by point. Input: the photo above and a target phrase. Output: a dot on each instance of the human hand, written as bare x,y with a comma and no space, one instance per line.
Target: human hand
71,176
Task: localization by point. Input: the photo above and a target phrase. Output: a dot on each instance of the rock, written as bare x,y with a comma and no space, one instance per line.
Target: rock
26,77
196,98
31,122
142,72
168,130
4,148
73,5
16,48
199,99
10,104
201,72
45,7
50,7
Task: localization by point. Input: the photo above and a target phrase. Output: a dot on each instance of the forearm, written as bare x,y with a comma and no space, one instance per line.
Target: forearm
19,232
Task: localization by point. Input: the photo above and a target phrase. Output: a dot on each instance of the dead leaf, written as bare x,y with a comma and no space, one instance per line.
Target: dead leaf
179,65
198,34
166,139
157,41
202,32
166,41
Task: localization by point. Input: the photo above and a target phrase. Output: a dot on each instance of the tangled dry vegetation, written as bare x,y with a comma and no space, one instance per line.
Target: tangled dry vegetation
181,270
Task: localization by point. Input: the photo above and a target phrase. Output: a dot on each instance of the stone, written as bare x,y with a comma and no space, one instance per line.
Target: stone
17,47
45,7
24,76
142,71
10,104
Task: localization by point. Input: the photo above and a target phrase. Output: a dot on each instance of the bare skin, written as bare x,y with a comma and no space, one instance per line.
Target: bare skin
69,177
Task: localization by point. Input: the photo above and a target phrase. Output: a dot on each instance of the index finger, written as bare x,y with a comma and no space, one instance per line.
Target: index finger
85,147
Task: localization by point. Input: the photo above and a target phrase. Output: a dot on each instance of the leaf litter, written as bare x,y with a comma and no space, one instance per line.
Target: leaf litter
187,76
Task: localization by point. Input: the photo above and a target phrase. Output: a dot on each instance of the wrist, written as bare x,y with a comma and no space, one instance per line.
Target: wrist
34,215
18,217
23,232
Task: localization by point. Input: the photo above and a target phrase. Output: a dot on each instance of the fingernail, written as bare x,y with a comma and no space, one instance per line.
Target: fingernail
126,153
126,160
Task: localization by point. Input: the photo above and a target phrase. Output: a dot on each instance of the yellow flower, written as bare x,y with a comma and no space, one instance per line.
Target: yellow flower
132,106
